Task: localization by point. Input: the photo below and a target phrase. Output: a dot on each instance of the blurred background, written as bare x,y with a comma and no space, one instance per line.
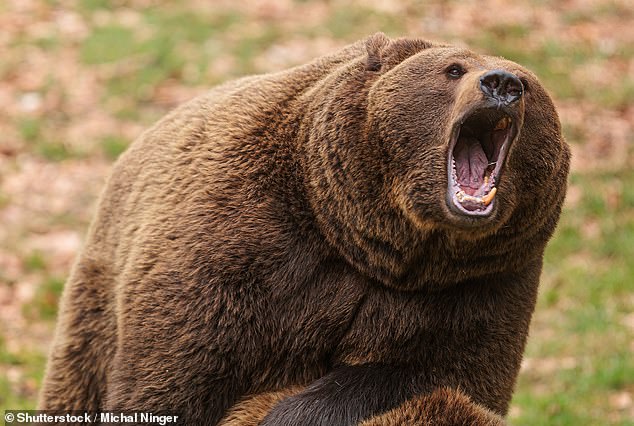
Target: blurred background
79,80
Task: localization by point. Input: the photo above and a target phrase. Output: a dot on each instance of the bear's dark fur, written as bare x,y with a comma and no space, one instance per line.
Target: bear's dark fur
297,231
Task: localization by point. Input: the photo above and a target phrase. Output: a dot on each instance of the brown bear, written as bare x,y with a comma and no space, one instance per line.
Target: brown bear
358,239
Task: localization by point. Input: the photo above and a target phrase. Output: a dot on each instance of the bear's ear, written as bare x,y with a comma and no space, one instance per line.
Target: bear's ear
375,45
384,53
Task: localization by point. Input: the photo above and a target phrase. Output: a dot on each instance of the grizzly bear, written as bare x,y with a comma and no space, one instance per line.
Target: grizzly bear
357,240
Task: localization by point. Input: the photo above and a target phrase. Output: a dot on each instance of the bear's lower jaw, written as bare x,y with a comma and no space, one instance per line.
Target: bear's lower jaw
477,153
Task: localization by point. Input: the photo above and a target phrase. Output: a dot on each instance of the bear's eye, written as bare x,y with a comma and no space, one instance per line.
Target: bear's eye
455,71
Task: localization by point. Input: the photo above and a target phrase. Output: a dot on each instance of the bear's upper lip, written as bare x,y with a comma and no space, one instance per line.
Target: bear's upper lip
477,152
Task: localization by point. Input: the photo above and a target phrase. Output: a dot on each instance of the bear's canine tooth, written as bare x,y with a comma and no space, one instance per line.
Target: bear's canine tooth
503,123
489,197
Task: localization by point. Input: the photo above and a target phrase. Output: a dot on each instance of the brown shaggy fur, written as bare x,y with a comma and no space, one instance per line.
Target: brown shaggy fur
282,227
251,411
443,407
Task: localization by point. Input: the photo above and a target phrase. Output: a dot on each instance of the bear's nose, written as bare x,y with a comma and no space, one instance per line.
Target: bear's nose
502,86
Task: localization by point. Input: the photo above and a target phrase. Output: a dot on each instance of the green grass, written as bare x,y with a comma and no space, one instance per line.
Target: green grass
246,48
29,366
108,44
353,22
586,292
44,304
113,146
92,5
35,132
35,262
175,39
579,394
30,128
5,200
55,151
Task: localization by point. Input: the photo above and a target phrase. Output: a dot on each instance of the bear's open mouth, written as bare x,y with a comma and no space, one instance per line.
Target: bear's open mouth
476,155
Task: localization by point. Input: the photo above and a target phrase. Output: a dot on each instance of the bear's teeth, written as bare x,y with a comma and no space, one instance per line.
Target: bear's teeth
486,200
462,196
503,123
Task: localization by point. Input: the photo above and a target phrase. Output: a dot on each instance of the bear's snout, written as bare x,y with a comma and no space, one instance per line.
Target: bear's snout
502,86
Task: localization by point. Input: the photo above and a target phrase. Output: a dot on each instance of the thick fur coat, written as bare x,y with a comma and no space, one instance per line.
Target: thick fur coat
284,246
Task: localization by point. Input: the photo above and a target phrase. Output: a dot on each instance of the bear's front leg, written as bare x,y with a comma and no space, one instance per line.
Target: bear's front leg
177,349
443,407
174,373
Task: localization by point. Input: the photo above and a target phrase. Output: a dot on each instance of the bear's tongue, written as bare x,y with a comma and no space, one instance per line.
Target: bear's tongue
471,163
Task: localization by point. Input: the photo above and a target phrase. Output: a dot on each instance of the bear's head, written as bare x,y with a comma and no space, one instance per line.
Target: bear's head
434,164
